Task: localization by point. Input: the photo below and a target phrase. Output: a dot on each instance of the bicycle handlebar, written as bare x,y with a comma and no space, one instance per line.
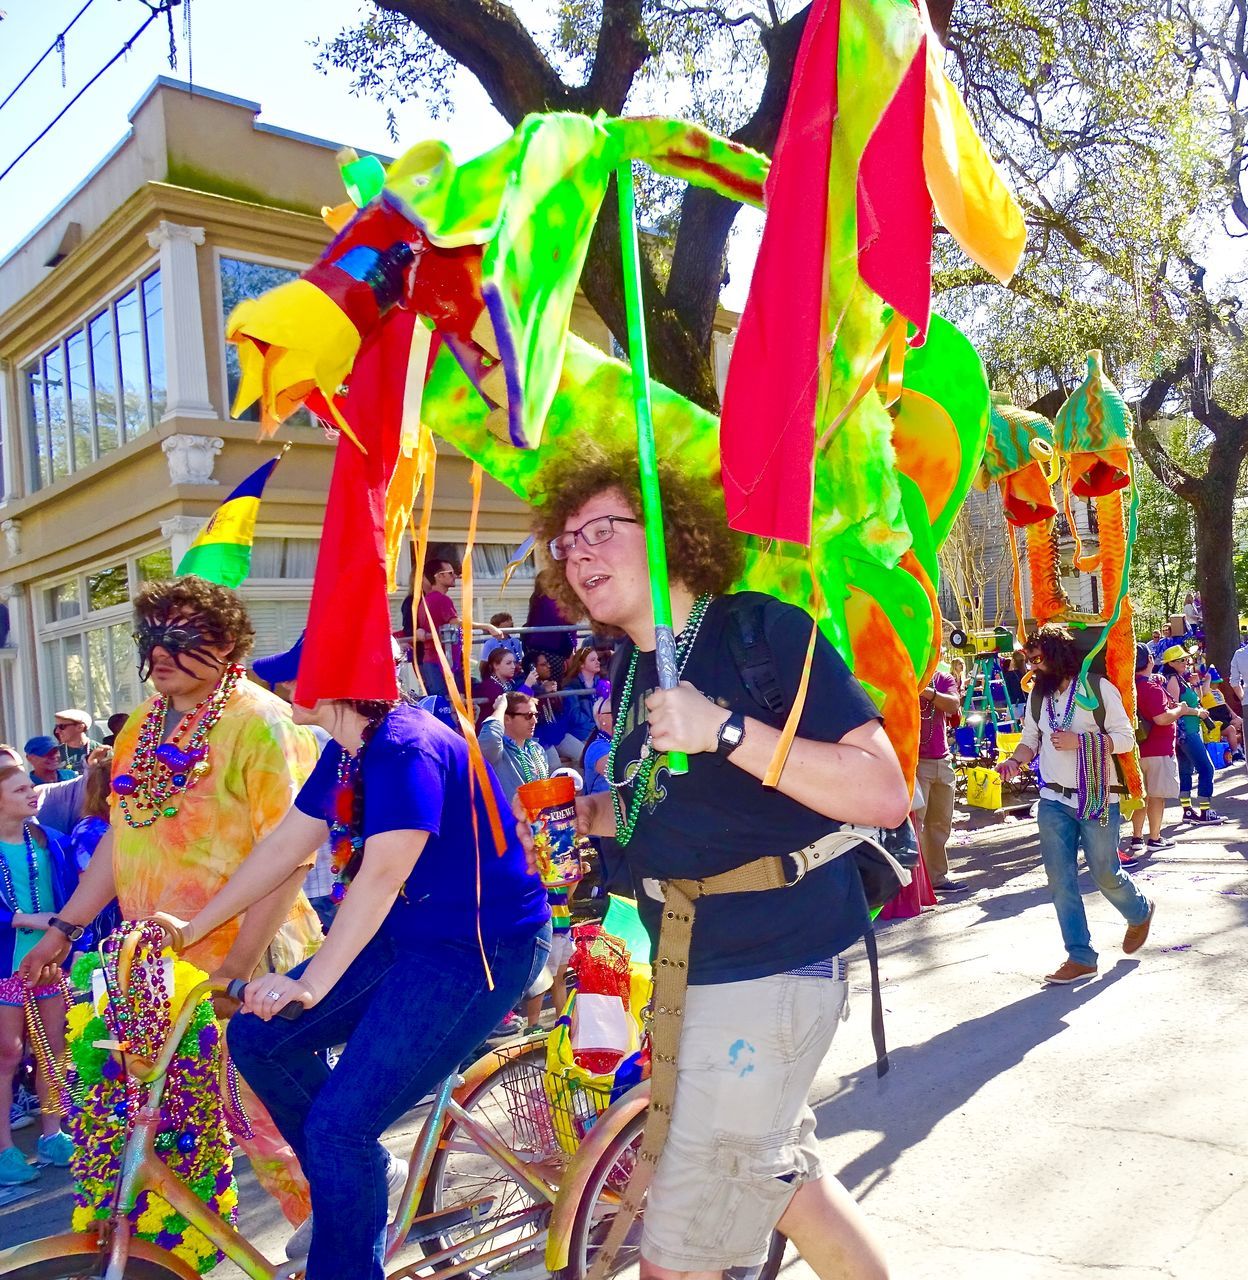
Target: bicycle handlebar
236,988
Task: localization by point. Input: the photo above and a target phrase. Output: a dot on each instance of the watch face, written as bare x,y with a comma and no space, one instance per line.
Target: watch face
731,735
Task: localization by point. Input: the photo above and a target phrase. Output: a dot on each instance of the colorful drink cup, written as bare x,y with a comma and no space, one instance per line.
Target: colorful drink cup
550,806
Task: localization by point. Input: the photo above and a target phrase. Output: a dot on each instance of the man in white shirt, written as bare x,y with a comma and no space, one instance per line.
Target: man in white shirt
1078,806
1239,671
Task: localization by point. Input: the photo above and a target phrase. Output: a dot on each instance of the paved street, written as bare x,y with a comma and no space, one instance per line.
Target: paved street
1024,1132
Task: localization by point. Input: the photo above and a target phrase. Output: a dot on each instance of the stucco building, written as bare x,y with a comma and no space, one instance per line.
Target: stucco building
115,387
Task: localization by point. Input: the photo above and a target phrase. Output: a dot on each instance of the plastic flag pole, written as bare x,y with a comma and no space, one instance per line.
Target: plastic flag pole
651,503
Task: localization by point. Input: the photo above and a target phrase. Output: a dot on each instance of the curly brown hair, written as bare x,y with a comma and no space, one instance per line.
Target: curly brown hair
217,609
705,555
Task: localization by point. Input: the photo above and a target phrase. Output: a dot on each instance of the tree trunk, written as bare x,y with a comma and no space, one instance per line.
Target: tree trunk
1213,509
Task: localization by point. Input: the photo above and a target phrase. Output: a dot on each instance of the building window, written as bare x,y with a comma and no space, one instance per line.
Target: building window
241,280
86,638
284,558
100,386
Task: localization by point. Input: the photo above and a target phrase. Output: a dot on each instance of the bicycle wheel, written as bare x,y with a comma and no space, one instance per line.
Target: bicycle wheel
511,1105
598,1206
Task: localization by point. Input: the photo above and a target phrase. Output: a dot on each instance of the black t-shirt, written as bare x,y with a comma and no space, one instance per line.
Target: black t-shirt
717,817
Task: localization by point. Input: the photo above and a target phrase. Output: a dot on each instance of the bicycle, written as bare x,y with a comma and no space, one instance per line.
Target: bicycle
492,1188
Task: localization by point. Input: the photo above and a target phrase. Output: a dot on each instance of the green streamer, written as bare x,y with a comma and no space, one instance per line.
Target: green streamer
651,501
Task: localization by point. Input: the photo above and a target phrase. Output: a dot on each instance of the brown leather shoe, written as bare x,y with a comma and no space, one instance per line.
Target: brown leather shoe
1070,971
1137,934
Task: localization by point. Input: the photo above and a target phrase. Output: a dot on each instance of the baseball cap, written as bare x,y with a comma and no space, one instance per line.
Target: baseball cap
1142,655
280,668
43,745
75,713
1174,653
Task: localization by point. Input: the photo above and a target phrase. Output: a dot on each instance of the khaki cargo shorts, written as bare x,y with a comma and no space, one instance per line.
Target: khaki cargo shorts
742,1138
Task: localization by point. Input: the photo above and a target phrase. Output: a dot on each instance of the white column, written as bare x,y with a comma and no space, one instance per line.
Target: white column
181,532
186,368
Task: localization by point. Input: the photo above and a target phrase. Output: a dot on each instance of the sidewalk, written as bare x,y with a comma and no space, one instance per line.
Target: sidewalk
1036,1133
1024,1132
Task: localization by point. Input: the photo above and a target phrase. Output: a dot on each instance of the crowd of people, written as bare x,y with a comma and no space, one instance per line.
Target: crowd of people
240,822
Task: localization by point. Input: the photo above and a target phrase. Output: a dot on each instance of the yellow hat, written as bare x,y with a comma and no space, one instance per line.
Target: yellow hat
1174,653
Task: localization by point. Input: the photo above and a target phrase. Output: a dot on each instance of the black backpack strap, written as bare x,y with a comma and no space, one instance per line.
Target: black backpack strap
755,662
877,1004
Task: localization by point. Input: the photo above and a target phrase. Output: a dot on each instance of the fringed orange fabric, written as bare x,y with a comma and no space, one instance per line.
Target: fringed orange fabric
1120,644
1017,580
1044,564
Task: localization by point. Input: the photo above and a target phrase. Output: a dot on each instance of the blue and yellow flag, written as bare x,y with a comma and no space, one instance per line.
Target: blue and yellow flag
222,551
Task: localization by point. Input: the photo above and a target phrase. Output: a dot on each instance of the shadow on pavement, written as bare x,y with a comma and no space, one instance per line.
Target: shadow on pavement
931,1080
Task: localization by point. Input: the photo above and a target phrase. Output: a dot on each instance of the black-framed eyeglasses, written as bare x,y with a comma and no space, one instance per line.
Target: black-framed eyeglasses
594,533
523,715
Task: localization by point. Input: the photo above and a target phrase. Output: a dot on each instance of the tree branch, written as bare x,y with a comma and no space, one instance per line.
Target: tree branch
496,47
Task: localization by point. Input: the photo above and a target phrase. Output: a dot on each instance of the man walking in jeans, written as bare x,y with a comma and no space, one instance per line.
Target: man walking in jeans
1077,803
935,779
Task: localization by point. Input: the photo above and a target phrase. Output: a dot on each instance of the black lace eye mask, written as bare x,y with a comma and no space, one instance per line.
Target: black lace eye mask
180,635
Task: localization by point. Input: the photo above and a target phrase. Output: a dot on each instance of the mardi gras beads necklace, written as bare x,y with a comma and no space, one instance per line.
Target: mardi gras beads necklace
344,840
626,819
1063,721
162,771
32,873
530,766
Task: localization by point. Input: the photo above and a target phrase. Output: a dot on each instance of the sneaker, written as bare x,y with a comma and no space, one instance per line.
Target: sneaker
18,1119
1207,818
1189,814
301,1241
14,1169
1127,860
1162,842
1137,934
951,886
1133,844
55,1148
1071,971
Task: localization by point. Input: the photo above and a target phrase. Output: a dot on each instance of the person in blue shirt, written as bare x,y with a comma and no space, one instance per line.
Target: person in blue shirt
402,975
43,754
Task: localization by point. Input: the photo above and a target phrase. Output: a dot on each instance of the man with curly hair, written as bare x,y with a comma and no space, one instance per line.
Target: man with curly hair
766,982
201,771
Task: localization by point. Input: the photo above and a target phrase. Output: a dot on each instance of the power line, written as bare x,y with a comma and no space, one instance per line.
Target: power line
125,48
56,44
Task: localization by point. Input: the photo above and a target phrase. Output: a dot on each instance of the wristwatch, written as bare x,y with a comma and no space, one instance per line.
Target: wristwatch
731,734
72,931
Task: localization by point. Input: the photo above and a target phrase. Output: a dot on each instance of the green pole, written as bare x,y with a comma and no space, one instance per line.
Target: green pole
651,503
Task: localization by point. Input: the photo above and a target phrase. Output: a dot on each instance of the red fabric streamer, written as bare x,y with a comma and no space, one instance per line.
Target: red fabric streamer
346,649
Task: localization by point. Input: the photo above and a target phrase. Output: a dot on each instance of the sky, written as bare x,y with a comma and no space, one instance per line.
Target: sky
255,49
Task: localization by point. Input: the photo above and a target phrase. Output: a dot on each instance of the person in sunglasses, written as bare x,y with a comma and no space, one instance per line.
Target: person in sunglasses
201,771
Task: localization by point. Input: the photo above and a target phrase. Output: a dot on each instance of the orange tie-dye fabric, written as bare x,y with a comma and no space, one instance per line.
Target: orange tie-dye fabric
258,759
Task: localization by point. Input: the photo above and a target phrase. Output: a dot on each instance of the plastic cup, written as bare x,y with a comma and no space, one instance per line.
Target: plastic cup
550,806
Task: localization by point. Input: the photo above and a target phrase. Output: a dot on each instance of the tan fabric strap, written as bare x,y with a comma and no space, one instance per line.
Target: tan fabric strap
671,974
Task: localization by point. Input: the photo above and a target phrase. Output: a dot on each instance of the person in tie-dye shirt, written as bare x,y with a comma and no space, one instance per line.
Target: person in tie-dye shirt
191,633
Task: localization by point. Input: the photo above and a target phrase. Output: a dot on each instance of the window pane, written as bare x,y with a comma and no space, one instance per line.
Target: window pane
126,695
155,566
133,374
54,667
61,602
101,704
36,425
58,422
75,684
266,558
104,366
79,398
241,280
154,319
107,588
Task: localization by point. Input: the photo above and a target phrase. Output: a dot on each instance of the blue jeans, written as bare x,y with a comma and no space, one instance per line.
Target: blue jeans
1194,758
1061,834
408,1016
433,677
